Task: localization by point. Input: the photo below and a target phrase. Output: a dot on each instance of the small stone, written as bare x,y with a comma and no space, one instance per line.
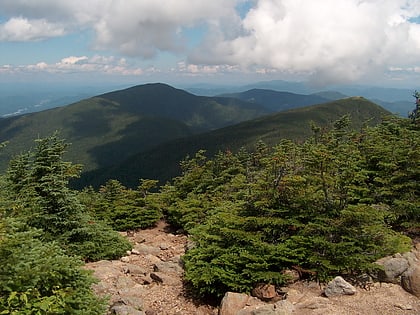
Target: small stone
125,259
164,246
406,307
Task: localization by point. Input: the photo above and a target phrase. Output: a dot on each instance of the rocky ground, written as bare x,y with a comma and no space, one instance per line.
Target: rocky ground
148,281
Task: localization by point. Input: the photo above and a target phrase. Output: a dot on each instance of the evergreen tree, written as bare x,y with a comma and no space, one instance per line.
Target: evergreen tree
38,182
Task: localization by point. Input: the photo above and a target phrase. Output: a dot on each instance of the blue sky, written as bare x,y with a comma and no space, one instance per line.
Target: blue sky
220,41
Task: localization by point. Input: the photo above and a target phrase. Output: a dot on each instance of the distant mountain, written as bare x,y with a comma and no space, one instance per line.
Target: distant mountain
278,101
162,162
110,127
331,95
396,100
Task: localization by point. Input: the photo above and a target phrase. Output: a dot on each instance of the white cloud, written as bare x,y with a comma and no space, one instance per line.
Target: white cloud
72,60
328,39
82,64
130,27
22,29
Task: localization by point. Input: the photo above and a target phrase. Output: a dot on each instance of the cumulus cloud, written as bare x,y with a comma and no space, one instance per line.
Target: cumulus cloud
22,29
328,39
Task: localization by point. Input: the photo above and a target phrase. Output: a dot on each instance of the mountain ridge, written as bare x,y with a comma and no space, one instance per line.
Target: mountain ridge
162,161
114,125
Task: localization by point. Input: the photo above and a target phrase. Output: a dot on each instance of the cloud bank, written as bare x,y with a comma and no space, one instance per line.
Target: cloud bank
328,40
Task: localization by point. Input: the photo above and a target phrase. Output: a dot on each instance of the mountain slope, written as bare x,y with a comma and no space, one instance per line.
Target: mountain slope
162,162
113,126
278,101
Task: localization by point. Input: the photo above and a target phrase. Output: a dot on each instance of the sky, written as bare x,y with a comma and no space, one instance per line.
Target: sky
323,42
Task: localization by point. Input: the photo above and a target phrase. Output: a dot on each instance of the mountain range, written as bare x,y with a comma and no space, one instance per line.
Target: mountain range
146,130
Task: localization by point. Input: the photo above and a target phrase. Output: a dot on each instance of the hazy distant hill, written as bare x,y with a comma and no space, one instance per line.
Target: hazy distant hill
278,101
110,127
162,162
396,100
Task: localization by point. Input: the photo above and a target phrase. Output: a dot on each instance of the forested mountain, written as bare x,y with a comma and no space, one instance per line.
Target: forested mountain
278,101
108,128
162,161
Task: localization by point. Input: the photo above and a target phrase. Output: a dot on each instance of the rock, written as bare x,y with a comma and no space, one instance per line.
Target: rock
232,303
144,249
160,277
135,252
134,270
339,286
124,282
168,267
164,246
125,310
393,268
410,281
125,259
257,307
265,292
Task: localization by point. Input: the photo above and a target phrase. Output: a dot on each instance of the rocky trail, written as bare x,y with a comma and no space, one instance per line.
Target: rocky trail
148,281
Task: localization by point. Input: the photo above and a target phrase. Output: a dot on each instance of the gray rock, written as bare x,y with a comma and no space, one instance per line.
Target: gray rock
393,268
134,270
339,286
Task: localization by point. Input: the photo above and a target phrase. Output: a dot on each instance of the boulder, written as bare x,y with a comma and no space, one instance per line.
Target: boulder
411,280
232,303
393,268
339,286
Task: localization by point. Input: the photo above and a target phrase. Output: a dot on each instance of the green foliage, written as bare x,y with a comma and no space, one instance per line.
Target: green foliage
327,205
39,278
38,183
415,114
122,208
